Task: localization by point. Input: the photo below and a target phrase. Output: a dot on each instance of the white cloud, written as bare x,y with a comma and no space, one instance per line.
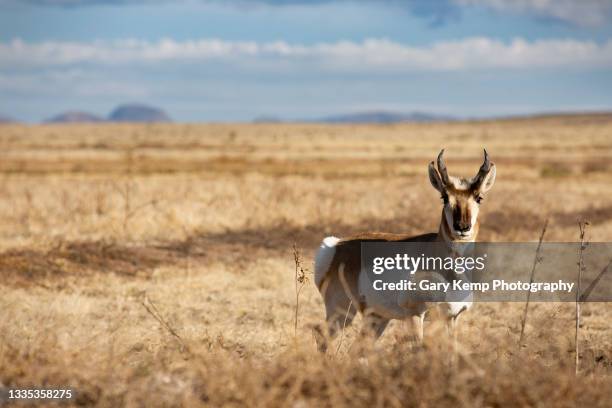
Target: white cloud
580,12
372,55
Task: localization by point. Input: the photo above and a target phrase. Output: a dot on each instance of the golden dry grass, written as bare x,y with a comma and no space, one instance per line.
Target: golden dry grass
199,221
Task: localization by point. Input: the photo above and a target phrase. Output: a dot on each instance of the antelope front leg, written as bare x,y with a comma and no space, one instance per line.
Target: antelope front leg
418,323
413,331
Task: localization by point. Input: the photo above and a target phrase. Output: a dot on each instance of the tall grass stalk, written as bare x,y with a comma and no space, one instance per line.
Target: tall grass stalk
536,261
583,244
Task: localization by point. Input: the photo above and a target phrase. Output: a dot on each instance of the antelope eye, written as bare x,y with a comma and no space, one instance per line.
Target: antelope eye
478,199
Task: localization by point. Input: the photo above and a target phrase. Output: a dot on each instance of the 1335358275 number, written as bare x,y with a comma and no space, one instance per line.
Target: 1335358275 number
39,393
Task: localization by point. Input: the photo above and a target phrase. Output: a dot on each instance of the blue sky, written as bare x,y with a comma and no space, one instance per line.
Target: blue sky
235,60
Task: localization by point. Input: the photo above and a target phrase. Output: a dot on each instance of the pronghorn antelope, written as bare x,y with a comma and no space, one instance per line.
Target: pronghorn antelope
338,273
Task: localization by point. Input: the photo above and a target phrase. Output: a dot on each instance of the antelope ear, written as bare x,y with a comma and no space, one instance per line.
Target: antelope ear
435,179
488,180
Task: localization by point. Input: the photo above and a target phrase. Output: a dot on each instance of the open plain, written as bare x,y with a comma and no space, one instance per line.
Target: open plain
155,265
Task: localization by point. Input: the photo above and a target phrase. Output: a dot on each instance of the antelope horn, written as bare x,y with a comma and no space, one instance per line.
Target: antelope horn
484,169
442,168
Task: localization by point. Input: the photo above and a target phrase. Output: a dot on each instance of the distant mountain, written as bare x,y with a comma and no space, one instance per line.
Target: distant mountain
138,113
576,118
75,117
6,119
385,117
267,119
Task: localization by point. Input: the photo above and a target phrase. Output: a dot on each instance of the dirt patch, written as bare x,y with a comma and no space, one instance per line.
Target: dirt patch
595,215
242,246
25,266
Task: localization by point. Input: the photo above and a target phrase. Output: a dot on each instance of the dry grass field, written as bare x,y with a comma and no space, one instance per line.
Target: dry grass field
153,265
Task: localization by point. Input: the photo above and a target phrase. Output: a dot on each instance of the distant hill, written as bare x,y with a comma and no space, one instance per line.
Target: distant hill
75,117
385,117
6,119
566,118
267,119
382,117
138,113
364,117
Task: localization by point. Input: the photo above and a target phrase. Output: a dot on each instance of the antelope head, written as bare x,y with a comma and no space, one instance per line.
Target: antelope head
462,197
